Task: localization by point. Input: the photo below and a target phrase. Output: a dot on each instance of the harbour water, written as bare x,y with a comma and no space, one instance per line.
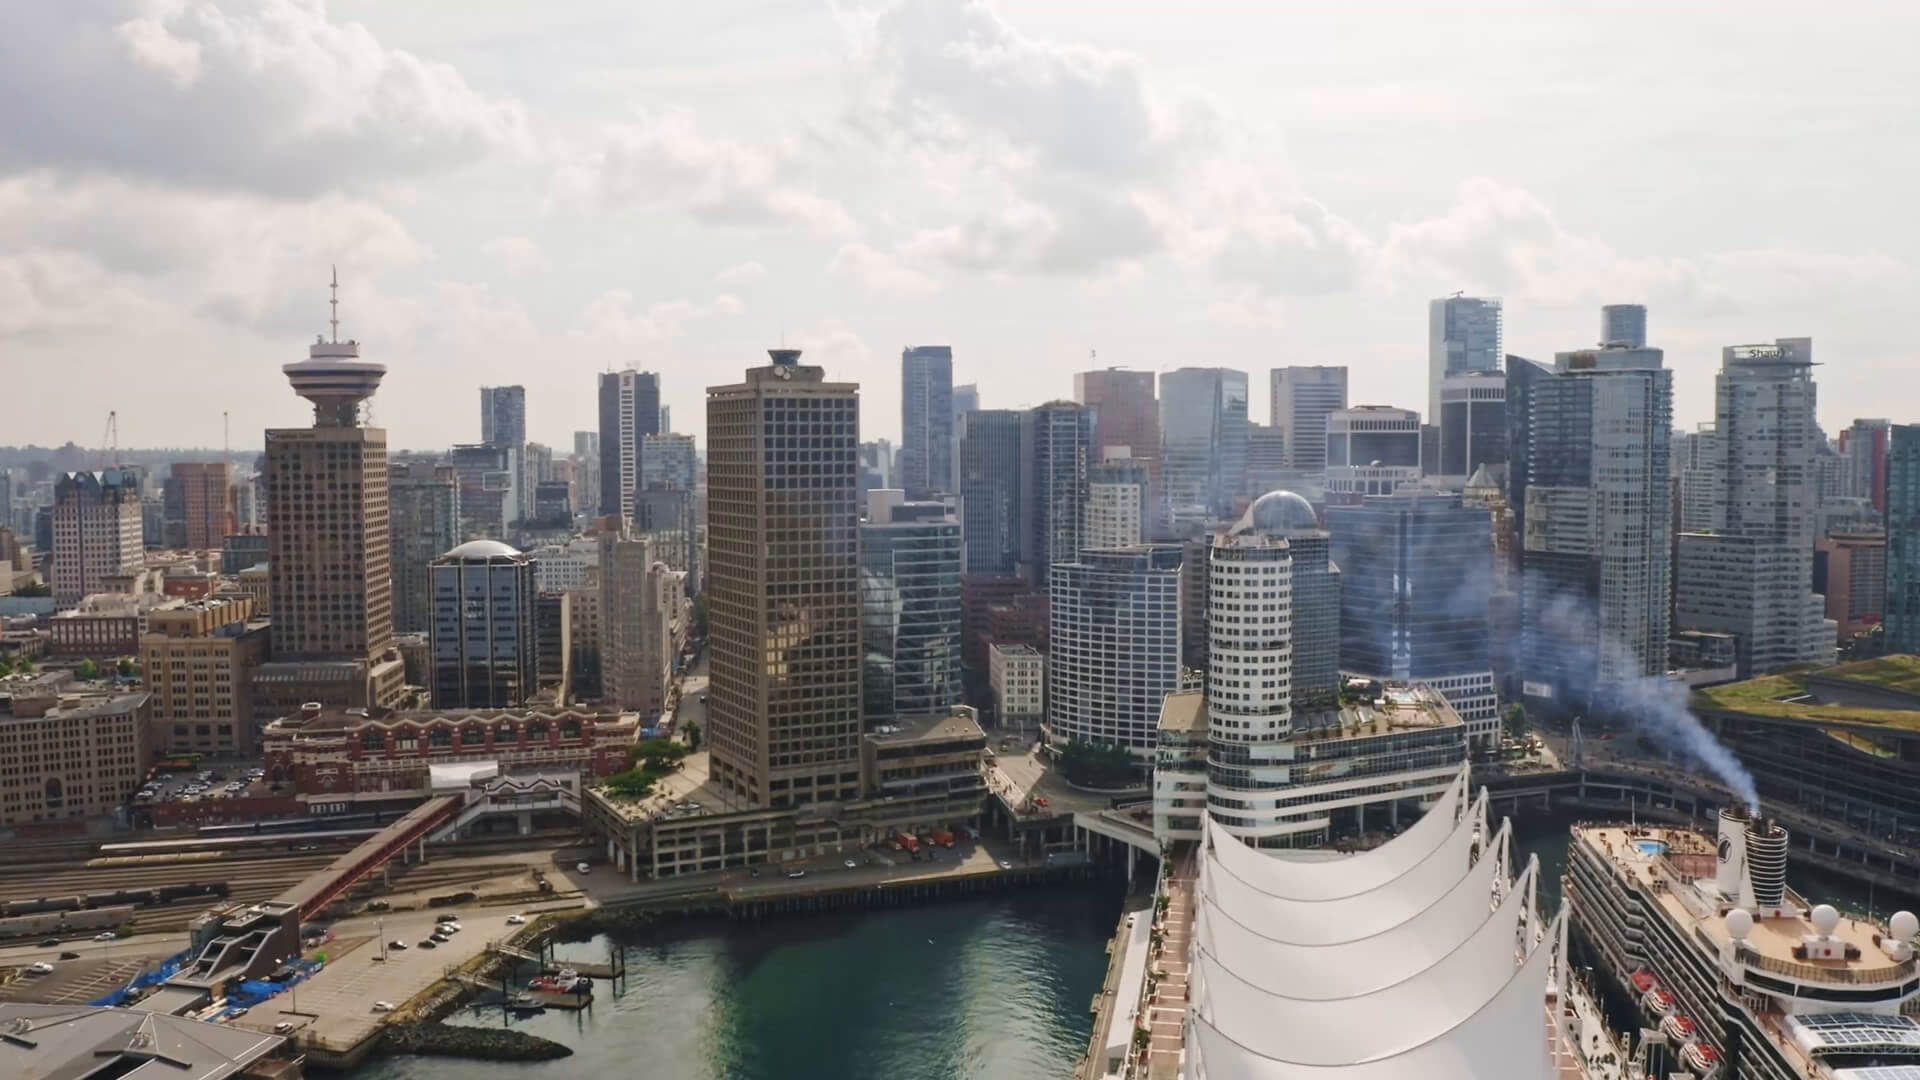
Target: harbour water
993,987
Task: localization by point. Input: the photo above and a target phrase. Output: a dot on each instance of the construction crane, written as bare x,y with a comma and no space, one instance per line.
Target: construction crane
110,441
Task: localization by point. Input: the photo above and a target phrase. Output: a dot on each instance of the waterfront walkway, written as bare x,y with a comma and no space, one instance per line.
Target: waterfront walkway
1167,1009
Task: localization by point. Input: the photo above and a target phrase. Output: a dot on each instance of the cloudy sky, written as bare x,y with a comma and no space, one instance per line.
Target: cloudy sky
521,192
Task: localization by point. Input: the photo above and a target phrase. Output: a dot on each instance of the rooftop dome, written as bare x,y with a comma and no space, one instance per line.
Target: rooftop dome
482,549
1278,512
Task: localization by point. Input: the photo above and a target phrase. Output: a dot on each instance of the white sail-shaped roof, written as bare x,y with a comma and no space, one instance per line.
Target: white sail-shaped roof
1324,922
1342,1031
1332,879
1504,1038
1262,955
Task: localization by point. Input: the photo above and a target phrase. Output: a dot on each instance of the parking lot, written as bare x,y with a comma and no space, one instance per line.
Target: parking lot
213,781
77,981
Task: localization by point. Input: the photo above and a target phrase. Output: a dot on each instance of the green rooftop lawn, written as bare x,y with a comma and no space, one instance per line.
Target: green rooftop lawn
1762,696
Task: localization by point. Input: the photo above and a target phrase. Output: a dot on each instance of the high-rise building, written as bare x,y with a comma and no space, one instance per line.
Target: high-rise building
503,414
1624,324
207,497
1117,504
1752,575
586,456
490,477
926,420
638,600
1267,457
1113,646
1864,445
1472,422
423,501
329,561
783,585
667,460
1371,450
1203,442
1698,460
665,516
1591,490
1850,570
1464,333
1125,414
910,611
197,663
1903,539
992,508
482,641
1056,443
97,532
1302,399
1416,576
966,399
1313,606
629,412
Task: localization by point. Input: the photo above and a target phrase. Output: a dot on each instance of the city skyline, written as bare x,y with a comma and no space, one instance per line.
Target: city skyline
1042,254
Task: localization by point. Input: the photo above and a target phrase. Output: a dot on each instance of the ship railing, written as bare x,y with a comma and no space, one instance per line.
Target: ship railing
1812,973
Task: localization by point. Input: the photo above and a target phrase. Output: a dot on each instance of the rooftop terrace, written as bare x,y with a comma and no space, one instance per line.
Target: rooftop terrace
1787,696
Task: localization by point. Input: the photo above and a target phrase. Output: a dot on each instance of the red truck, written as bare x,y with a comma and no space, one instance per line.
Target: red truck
943,837
909,843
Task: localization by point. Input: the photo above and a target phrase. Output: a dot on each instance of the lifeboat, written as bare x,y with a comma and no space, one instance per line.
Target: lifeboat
1657,1001
1701,1056
1679,1028
1643,981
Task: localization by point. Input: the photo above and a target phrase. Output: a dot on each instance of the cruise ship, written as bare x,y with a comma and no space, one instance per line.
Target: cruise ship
1734,974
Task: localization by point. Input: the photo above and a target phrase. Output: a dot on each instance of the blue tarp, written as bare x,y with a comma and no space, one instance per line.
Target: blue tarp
152,977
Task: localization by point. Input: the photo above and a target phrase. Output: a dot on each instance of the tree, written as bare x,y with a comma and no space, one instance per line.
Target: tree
6,665
127,668
1516,720
1089,764
86,670
693,734
36,589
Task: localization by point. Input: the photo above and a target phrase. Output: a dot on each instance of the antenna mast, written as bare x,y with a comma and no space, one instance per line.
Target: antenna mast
334,304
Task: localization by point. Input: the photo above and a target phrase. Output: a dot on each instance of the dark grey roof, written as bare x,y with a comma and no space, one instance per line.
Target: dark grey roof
68,1042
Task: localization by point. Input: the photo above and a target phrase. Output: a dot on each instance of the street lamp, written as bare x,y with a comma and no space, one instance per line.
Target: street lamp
381,923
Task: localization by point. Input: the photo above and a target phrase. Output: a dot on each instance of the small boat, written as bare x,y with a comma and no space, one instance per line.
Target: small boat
525,1006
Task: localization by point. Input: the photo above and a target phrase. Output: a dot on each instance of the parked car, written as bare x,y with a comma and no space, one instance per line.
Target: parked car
104,935
1005,865
516,919
583,868
40,968
850,864
396,944
69,955
50,943
447,918
284,1027
383,1006
798,874
430,943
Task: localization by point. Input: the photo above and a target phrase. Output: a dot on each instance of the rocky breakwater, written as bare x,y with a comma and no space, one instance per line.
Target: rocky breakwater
435,1039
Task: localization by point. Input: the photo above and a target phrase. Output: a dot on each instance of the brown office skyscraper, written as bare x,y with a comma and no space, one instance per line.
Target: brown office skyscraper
329,570
1125,413
208,488
783,590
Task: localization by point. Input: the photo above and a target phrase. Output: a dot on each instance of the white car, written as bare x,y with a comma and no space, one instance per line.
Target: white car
40,968
104,935
383,1006
850,864
1005,865
583,868
516,920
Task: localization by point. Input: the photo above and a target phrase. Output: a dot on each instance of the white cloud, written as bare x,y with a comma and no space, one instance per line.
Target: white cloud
269,96
880,272
516,255
612,316
239,259
740,274
663,161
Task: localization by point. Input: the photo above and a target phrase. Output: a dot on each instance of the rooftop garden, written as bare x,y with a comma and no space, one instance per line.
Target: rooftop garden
1769,695
652,760
1899,672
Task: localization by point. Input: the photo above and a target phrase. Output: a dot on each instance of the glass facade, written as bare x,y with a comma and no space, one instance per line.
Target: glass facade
484,632
991,507
1417,569
926,420
1203,441
1114,640
910,618
1057,448
1903,539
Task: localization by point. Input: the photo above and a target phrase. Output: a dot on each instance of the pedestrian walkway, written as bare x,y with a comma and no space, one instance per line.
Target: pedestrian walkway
1167,1010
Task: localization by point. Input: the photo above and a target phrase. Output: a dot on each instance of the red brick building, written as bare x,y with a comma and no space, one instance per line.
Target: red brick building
370,755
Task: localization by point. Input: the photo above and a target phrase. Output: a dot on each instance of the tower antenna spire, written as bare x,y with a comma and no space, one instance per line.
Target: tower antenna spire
334,303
